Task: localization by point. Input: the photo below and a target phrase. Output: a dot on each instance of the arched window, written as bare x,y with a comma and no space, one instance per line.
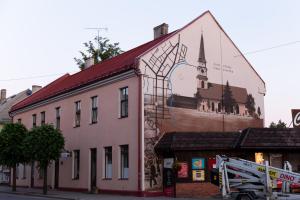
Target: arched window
203,107
213,106
237,109
202,84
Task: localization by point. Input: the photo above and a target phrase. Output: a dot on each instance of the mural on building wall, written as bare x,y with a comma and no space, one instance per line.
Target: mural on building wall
167,109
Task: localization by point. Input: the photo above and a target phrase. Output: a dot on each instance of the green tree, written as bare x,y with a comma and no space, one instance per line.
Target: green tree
280,124
250,104
228,100
100,49
12,138
44,144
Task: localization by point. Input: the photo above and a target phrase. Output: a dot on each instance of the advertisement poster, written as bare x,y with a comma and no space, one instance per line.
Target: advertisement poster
198,175
198,163
183,172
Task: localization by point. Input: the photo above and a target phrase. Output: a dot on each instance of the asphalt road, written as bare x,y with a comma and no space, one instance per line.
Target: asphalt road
4,196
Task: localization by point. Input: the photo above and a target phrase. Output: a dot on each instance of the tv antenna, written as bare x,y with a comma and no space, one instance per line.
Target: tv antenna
98,29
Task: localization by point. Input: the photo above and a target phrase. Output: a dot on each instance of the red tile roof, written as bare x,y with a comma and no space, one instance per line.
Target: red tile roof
105,69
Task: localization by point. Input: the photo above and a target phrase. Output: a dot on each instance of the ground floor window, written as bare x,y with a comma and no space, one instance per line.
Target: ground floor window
24,171
124,161
108,162
76,164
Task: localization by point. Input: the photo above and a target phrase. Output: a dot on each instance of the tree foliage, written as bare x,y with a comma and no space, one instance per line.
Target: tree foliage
44,144
250,104
228,100
279,124
99,49
12,138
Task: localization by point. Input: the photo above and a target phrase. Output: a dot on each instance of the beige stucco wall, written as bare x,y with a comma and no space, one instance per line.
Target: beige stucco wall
109,131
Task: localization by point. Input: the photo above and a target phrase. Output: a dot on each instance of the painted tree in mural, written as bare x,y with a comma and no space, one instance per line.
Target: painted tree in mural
100,49
228,100
258,111
250,104
280,124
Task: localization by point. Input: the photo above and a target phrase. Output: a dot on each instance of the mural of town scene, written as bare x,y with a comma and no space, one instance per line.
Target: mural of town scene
213,107
217,98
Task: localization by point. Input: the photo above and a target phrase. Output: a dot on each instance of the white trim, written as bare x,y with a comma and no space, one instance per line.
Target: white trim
110,80
142,132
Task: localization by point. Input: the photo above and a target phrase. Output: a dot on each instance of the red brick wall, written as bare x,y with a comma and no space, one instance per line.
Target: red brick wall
196,190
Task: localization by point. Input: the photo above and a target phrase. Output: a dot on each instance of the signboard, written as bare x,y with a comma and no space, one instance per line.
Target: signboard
296,118
198,175
168,163
183,172
198,163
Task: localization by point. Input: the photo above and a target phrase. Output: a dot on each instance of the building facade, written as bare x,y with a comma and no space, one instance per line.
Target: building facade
113,113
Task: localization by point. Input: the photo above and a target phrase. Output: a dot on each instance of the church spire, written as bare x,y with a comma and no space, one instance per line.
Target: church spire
201,51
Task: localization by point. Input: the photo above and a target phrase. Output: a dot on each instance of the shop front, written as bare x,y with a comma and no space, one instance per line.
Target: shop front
194,153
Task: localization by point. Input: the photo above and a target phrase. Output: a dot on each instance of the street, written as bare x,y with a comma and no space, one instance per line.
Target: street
4,196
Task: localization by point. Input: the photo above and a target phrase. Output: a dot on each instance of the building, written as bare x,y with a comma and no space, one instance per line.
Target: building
113,113
5,105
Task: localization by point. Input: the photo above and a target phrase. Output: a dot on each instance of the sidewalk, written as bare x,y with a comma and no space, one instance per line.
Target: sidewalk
55,194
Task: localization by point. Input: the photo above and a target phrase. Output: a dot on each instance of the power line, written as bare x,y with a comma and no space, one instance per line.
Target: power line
31,77
269,48
249,52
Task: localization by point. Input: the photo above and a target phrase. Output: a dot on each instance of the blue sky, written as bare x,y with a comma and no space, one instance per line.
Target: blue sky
41,37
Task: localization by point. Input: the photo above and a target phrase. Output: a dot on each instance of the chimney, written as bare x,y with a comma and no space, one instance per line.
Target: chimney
160,30
35,88
89,62
3,94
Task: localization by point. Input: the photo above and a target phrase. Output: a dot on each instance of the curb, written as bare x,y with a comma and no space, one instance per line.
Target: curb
39,195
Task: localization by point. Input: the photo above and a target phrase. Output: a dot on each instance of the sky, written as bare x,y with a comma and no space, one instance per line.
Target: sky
40,38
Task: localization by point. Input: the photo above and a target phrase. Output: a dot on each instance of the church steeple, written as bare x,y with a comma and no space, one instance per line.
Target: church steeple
201,51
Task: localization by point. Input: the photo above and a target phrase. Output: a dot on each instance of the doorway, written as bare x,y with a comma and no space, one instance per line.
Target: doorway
32,175
93,169
56,176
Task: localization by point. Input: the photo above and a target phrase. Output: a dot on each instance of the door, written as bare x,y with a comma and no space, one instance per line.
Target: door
93,169
56,176
32,175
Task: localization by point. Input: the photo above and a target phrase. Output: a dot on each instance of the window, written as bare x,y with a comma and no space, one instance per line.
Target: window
213,106
77,113
19,121
24,171
41,173
94,109
124,161
202,84
219,107
237,109
124,102
57,111
17,171
33,120
76,164
43,118
108,162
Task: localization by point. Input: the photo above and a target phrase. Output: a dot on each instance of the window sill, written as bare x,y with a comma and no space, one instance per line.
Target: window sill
123,179
92,123
106,179
75,179
123,117
76,126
